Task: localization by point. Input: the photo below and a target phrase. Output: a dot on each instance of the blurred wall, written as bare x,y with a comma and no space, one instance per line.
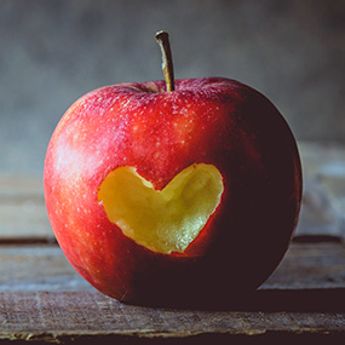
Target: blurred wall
51,52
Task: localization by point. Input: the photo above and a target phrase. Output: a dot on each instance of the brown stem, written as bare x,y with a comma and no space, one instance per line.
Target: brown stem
162,38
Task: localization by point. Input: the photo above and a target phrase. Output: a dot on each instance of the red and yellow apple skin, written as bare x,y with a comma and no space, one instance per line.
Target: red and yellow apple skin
211,120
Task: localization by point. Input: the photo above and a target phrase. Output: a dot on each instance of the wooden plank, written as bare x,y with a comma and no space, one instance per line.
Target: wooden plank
79,316
24,219
322,158
22,209
12,186
23,214
43,299
323,207
310,266
37,268
44,268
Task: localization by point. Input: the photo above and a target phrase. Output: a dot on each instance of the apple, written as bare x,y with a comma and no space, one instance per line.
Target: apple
173,191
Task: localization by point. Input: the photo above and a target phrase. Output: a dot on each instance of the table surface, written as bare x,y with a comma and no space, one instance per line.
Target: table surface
43,300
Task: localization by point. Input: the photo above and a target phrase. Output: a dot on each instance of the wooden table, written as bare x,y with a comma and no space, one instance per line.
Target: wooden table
43,300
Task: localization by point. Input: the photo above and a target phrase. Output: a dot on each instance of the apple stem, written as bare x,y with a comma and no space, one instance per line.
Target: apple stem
162,38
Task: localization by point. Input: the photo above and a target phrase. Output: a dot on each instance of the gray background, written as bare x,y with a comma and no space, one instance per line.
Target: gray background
51,52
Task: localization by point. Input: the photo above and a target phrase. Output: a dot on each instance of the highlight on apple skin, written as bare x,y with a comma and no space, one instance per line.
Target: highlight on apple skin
162,196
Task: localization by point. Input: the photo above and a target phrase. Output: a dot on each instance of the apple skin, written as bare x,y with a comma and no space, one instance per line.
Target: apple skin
209,120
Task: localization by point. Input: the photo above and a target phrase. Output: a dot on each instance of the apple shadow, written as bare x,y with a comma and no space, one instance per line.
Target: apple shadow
298,300
269,300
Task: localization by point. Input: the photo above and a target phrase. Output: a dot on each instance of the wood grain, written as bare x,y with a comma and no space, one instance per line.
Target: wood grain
323,206
44,268
76,317
43,299
22,209
71,316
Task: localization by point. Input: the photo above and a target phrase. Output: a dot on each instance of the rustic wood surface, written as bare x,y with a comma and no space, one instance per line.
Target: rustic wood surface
323,210
44,268
60,316
42,299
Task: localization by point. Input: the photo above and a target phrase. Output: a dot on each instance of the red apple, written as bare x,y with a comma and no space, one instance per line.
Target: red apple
171,195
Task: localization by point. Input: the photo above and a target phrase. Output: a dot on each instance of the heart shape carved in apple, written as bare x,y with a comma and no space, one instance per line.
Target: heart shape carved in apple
166,220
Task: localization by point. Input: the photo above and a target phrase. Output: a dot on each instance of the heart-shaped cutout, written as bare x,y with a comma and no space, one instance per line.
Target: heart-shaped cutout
166,220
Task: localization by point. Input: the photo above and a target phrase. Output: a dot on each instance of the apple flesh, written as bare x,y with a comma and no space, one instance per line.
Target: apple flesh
159,197
167,220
